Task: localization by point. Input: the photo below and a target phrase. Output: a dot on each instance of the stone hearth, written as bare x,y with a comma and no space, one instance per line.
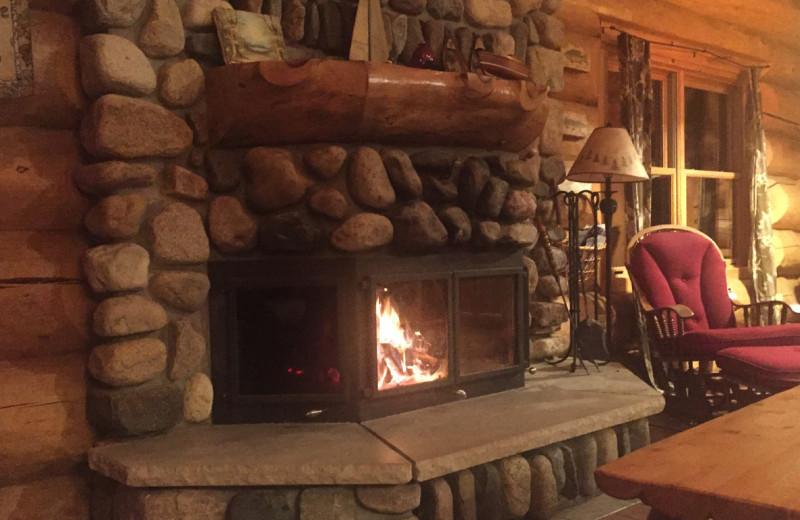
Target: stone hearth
524,452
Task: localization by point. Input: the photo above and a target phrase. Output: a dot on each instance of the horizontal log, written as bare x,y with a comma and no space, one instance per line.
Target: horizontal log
44,319
570,148
781,102
62,498
36,167
788,288
787,250
43,427
57,101
783,155
41,255
56,6
584,87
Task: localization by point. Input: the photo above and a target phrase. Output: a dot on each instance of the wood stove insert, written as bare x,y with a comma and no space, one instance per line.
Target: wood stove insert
354,338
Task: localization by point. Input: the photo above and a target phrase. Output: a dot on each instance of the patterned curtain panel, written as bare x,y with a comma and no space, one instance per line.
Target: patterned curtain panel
637,116
762,250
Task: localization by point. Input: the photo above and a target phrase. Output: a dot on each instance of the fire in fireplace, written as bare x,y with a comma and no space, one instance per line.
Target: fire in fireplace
353,338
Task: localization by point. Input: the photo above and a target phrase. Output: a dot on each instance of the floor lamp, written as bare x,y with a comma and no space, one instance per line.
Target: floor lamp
608,156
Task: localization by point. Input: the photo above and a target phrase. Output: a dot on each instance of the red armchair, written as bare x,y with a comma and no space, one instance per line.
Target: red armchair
678,275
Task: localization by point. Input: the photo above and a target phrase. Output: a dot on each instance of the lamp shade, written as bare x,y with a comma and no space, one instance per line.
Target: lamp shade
608,153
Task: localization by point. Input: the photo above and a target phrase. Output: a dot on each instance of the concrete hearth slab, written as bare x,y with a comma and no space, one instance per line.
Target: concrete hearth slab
254,455
554,406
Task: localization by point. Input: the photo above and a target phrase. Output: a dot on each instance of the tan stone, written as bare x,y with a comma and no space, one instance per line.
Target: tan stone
607,449
105,178
543,492
115,13
522,7
162,34
367,180
124,315
329,202
362,232
178,235
57,99
111,64
515,476
197,13
129,362
119,267
181,83
437,500
327,503
182,183
488,13
273,180
189,349
198,398
232,229
162,504
117,216
326,162
390,499
184,290
127,128
463,486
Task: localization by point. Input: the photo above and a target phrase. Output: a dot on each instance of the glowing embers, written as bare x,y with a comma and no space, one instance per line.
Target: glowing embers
411,323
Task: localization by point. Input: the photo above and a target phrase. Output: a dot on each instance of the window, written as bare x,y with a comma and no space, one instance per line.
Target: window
697,129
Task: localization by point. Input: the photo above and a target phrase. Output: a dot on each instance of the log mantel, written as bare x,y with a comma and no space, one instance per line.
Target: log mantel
274,103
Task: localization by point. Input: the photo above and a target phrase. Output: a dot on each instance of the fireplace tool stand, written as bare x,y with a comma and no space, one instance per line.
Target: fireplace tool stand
587,337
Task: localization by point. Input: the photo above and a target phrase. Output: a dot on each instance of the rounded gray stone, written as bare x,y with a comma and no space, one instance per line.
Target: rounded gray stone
607,449
556,458
223,169
472,178
559,257
178,235
585,452
552,171
127,128
327,503
272,179
456,221
295,231
362,232
548,314
136,410
111,64
543,491
116,217
329,202
368,181
523,173
522,7
162,34
105,178
403,176
486,233
197,13
520,234
489,492
125,315
198,397
550,29
437,500
325,162
232,229
402,498
550,288
189,349
492,197
533,274
639,433
439,191
182,183
483,13
293,17
181,83
462,485
118,267
446,9
417,227
552,347
129,362
184,290
412,7
275,504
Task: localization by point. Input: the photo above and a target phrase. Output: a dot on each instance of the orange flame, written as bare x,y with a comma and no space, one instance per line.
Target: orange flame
401,362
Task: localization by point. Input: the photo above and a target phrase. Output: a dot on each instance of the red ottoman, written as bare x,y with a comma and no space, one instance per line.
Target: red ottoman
770,367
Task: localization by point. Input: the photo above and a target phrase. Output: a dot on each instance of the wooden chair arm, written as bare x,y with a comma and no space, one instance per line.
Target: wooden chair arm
773,312
667,323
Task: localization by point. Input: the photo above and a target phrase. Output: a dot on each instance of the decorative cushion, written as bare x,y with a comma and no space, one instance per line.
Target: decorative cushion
774,367
706,344
683,267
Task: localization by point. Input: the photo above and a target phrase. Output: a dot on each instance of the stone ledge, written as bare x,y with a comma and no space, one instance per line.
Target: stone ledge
420,445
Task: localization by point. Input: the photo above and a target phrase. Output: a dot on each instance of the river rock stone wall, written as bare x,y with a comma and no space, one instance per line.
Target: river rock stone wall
165,203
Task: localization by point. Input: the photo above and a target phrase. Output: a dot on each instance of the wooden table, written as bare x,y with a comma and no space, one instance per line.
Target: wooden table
742,466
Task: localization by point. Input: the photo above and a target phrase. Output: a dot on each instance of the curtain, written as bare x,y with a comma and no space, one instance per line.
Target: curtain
636,95
762,250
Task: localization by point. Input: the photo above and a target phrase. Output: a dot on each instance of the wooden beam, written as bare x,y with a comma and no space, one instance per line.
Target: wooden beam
783,156
44,319
781,102
41,255
61,497
43,427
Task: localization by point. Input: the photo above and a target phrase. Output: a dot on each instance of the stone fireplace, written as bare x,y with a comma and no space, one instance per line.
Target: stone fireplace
253,283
